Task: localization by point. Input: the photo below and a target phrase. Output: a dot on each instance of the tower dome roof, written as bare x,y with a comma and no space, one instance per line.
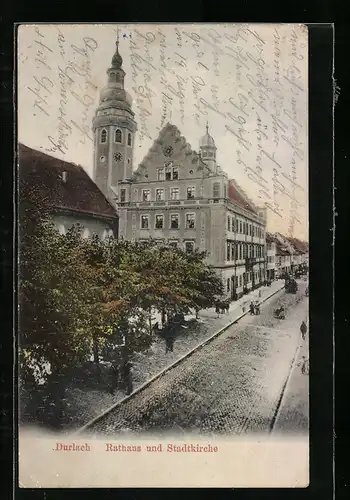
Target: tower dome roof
207,140
117,59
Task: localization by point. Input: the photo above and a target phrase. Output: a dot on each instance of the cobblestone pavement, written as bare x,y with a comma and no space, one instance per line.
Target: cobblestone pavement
87,403
293,415
231,385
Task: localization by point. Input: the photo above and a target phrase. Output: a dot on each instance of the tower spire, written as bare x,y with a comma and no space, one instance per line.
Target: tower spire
117,41
207,127
117,60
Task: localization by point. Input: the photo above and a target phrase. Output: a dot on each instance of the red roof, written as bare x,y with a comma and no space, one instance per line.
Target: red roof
78,193
235,196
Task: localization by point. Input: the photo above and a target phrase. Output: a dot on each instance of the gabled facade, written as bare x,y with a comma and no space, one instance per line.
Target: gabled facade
73,196
177,196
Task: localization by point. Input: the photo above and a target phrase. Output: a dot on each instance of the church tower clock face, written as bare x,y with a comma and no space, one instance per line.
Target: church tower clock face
118,156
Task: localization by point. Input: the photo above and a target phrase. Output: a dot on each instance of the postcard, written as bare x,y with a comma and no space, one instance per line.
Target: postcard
163,329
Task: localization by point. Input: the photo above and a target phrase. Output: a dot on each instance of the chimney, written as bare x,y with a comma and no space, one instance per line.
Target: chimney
64,176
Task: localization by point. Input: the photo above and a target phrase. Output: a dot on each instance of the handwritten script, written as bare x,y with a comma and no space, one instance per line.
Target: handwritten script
248,81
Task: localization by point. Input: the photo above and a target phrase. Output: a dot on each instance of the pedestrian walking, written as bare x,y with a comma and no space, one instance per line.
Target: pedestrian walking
257,307
303,329
217,308
251,308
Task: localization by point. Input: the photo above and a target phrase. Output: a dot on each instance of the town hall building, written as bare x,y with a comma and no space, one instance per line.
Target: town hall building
176,196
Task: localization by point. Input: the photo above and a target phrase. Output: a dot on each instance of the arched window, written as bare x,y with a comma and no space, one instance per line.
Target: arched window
129,139
118,135
103,135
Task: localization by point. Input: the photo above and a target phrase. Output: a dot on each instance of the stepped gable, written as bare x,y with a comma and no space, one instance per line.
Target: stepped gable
169,136
79,193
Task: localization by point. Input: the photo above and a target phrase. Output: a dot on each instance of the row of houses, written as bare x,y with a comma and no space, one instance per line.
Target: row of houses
285,255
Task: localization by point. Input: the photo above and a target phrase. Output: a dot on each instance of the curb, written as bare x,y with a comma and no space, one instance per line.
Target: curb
170,367
284,391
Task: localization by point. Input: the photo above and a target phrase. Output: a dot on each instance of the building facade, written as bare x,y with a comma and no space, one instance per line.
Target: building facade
176,196
72,195
270,257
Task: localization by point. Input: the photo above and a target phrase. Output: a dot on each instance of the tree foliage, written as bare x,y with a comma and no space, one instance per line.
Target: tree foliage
79,296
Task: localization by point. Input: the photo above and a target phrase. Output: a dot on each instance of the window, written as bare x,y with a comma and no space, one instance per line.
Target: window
159,194
228,284
216,190
174,221
168,174
240,227
175,173
189,246
233,252
173,243
240,280
159,221
122,195
191,193
146,195
103,135
174,193
129,139
228,251
118,135
144,222
250,229
190,221
160,174
228,223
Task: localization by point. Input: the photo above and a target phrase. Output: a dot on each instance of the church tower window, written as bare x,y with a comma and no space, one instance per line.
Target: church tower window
129,139
118,136
103,136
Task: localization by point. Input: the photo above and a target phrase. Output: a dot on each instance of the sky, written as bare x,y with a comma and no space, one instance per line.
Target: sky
249,82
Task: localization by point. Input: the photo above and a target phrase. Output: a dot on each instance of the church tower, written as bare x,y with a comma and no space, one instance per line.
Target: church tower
208,150
114,131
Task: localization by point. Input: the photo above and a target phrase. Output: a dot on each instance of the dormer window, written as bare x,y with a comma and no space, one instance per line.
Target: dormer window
103,135
175,173
118,136
129,139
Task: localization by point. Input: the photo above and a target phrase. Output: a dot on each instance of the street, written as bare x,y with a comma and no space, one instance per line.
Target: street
231,385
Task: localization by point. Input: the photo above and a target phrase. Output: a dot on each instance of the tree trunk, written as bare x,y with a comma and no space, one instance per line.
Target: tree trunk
163,317
96,349
150,321
126,371
56,399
